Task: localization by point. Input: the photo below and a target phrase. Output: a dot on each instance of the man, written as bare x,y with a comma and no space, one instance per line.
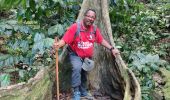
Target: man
81,47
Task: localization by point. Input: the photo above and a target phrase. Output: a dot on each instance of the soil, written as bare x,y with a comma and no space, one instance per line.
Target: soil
67,95
95,96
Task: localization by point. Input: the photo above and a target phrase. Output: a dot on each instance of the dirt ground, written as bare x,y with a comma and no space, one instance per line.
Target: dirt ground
68,96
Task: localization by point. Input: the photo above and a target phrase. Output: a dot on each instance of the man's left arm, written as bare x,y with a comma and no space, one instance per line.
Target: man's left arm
114,51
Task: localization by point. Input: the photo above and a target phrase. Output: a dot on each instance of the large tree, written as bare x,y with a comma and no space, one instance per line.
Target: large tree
110,75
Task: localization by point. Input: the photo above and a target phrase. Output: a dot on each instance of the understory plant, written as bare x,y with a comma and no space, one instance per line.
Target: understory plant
141,29
144,66
27,35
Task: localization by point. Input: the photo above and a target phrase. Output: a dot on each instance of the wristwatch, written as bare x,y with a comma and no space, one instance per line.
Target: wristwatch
111,48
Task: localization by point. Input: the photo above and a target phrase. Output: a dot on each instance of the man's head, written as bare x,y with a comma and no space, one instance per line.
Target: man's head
89,17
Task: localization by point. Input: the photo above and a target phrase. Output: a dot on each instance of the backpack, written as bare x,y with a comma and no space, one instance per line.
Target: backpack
79,30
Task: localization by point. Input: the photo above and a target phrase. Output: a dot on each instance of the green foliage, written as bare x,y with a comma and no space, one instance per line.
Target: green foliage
25,75
139,28
23,46
142,27
7,4
29,36
4,79
56,29
41,43
47,12
144,66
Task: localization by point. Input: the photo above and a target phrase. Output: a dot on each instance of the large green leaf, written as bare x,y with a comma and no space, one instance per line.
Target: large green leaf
48,42
4,79
154,66
56,29
152,58
24,45
24,29
43,44
11,22
4,56
38,47
38,37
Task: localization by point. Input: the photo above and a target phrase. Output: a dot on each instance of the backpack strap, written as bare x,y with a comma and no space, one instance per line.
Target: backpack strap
94,30
79,29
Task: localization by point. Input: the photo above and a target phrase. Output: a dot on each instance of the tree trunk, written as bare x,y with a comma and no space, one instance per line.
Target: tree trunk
110,74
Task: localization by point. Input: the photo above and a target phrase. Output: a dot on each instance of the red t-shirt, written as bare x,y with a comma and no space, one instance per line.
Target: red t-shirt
82,44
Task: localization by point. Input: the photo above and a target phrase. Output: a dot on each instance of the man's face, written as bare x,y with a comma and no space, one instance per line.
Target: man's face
89,18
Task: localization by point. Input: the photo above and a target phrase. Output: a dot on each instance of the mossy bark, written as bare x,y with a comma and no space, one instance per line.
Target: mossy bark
166,88
37,88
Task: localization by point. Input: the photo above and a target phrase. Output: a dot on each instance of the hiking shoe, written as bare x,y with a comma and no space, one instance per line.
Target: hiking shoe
84,93
87,96
83,90
76,96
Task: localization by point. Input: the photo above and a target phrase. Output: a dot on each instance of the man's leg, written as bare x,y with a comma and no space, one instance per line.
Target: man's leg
83,86
76,75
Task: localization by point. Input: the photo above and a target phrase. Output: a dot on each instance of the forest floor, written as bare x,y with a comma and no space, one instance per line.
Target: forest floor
68,96
159,83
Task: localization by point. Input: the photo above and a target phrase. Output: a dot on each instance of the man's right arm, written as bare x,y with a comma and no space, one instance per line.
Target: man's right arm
67,38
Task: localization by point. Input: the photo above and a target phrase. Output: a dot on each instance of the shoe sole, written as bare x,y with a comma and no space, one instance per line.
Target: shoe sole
87,98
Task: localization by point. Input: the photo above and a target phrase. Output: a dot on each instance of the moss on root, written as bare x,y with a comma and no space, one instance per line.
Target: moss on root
39,88
166,88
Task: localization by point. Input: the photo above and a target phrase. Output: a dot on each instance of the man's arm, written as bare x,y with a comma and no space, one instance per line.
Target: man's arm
114,51
106,44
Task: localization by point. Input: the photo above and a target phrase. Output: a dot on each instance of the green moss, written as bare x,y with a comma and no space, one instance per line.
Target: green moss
166,88
39,89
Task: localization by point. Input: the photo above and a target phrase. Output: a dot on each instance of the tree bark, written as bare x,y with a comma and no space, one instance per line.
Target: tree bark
37,88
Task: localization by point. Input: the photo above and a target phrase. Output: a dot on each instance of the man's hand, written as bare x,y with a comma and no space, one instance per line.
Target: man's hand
54,47
56,44
115,51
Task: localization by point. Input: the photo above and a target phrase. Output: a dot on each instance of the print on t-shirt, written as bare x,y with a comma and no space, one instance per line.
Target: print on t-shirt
84,45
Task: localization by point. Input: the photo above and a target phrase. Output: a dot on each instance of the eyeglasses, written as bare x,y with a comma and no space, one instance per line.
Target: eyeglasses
93,17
